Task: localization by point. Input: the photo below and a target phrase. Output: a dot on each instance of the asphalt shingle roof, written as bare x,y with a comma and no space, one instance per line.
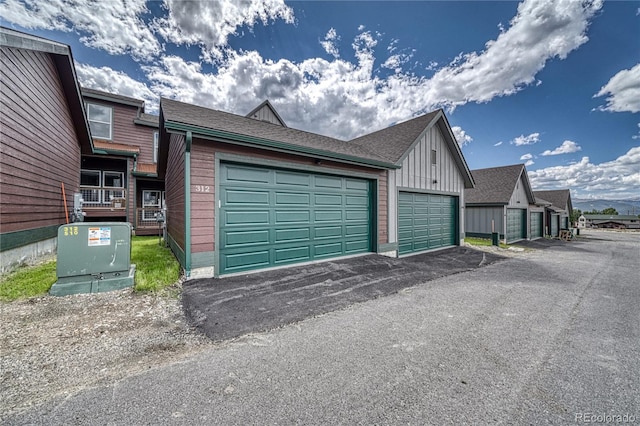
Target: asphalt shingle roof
558,197
205,118
392,142
494,185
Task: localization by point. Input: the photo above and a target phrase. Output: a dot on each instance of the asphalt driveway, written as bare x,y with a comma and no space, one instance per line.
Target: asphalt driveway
230,307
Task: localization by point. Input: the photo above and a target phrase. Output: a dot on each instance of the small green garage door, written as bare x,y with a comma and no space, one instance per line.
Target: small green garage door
536,225
425,221
270,217
516,224
555,225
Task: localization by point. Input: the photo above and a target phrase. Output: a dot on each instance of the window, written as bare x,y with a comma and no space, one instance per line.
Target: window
100,118
90,178
114,179
151,203
434,157
155,147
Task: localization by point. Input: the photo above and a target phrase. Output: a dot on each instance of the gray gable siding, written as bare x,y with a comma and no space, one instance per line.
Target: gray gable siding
266,114
419,174
519,197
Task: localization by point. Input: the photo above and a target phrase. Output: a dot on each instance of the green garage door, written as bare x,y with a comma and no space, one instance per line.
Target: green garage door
555,225
425,221
270,217
516,224
536,225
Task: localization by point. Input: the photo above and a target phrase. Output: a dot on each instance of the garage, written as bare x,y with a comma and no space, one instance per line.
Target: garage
425,222
536,225
271,217
516,225
555,225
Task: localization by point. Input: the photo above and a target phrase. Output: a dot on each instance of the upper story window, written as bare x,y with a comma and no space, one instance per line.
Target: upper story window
100,121
155,147
434,157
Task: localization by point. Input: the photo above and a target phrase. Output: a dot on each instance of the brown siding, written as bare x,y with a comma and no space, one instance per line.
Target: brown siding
202,198
126,132
202,173
40,148
174,189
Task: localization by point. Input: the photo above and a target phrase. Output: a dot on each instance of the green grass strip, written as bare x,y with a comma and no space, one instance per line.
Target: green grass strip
156,270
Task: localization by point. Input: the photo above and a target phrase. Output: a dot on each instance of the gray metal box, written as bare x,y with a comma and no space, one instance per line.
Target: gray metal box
93,257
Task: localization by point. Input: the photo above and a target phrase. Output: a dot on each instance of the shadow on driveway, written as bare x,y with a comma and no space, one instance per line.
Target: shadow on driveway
230,307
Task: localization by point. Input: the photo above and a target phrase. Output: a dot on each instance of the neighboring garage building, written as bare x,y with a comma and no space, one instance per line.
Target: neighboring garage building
426,192
500,203
558,212
248,193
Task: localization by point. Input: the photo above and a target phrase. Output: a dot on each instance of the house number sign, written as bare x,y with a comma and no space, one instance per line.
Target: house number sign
202,188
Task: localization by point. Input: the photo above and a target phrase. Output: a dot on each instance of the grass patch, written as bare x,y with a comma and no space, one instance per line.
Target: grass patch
28,281
474,241
156,269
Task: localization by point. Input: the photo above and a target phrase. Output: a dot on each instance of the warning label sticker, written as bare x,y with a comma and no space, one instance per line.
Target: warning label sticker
100,236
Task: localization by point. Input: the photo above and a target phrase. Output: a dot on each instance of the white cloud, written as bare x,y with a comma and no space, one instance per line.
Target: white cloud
622,91
498,143
526,157
109,80
210,23
637,135
567,147
540,31
342,98
617,179
461,136
115,26
529,163
526,140
329,43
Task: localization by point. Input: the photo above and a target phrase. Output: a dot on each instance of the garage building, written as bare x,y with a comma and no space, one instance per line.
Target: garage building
500,203
246,193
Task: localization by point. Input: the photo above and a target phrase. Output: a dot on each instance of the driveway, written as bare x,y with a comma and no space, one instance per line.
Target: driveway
230,307
552,337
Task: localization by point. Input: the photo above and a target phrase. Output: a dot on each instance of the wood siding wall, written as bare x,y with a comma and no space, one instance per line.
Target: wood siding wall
418,173
125,131
174,189
202,173
40,148
478,220
202,198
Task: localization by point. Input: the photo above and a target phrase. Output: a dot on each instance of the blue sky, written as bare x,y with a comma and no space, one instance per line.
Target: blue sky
555,85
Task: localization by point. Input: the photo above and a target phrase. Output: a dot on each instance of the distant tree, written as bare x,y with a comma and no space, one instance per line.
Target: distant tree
575,214
594,211
610,211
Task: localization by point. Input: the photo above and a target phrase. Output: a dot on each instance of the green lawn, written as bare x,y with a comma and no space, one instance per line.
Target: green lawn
156,269
482,242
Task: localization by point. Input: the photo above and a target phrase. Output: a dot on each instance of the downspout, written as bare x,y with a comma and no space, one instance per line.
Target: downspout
187,204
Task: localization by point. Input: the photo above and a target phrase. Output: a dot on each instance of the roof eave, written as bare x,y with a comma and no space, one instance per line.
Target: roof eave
142,122
107,98
240,139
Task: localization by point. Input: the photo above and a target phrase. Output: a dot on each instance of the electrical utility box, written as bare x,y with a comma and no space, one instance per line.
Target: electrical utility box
93,257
